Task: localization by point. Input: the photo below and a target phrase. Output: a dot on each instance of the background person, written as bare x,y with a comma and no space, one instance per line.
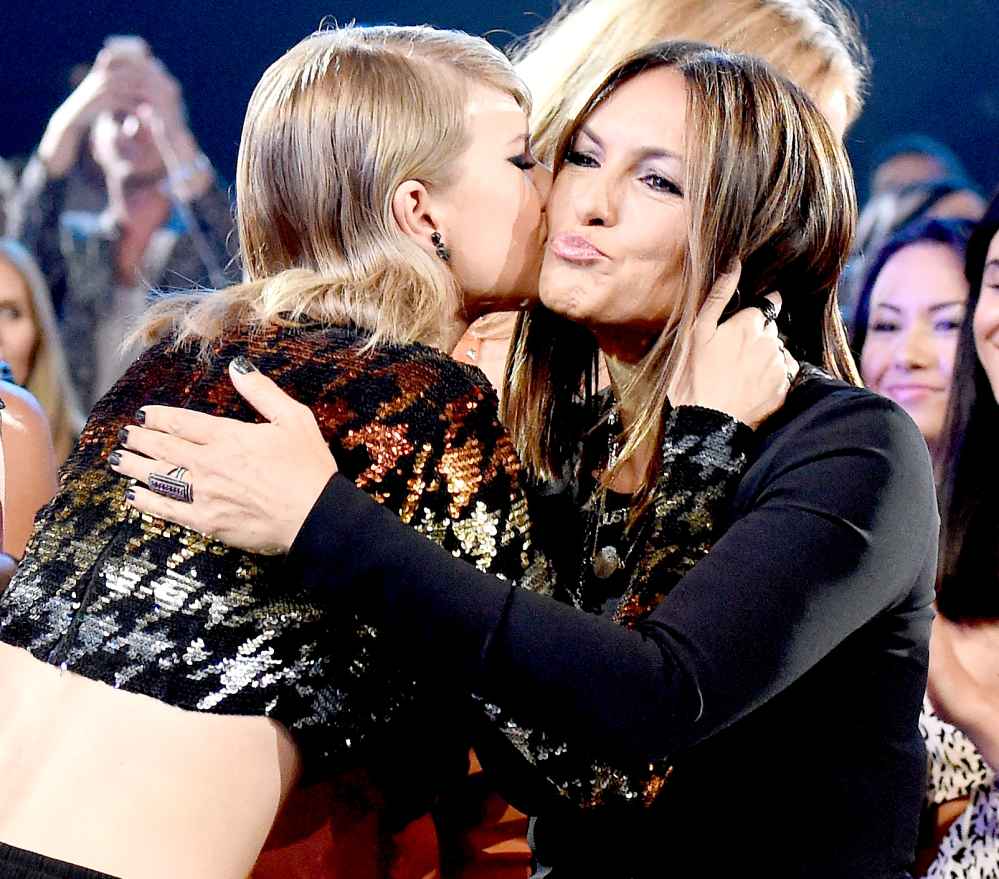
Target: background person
908,320
29,468
30,342
962,726
165,224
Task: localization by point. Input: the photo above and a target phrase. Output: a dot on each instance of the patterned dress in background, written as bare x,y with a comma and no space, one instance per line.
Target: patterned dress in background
970,849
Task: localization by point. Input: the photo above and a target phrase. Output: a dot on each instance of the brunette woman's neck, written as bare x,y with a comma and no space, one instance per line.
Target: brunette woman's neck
623,372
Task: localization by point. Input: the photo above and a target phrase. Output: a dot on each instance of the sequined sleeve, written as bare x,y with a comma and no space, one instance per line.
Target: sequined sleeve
704,455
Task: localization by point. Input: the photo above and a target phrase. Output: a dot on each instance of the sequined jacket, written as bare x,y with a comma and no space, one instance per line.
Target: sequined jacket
154,608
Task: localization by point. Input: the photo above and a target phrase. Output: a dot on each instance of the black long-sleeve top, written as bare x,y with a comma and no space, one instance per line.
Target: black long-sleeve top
782,677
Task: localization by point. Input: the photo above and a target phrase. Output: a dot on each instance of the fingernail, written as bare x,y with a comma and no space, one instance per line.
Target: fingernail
140,417
129,494
114,459
123,436
242,365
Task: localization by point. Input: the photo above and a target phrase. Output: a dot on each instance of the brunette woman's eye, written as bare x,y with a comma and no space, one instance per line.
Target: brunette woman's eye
584,160
662,184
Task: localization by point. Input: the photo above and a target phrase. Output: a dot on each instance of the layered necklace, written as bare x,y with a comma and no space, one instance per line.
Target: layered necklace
607,546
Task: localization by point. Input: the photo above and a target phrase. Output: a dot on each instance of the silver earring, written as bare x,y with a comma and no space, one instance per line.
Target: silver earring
440,247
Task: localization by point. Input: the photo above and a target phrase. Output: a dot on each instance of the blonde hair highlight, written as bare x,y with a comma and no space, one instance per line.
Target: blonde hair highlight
332,129
769,185
815,43
48,377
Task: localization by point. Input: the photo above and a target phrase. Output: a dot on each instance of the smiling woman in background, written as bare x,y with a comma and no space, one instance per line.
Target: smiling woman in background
908,319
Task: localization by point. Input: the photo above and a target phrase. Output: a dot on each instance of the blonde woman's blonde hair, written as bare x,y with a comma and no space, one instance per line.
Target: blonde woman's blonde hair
770,185
815,43
332,129
48,377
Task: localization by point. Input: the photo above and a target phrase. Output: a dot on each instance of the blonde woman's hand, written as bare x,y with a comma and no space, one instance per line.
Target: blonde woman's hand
739,367
253,485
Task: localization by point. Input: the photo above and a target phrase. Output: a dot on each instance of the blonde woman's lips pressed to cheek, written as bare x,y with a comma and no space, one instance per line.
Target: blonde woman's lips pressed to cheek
574,248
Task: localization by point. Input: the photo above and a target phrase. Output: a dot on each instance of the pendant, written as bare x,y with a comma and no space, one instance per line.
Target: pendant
606,562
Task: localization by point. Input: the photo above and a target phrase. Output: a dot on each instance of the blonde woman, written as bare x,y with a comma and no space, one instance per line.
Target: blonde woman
754,712
30,342
162,692
815,43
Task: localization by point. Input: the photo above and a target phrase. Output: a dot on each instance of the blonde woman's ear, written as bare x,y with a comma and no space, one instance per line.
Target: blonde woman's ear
412,210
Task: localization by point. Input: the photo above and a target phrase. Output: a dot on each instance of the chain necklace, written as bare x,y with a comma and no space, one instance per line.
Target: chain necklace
606,559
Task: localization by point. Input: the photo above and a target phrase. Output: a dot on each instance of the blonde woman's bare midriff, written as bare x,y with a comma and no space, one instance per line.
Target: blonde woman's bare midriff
121,783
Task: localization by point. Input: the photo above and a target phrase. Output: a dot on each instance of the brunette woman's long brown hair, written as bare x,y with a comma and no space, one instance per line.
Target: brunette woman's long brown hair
770,185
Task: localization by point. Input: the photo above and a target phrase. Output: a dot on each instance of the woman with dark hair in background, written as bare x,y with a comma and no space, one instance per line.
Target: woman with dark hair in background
887,214
962,735
908,318
703,692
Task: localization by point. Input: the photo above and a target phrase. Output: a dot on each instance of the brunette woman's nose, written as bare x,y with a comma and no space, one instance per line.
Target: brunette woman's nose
595,201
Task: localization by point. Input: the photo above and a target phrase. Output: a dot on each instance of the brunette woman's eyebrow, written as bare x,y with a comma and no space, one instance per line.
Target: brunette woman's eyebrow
649,152
585,129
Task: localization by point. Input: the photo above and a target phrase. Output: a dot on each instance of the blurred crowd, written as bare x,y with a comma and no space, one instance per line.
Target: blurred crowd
118,204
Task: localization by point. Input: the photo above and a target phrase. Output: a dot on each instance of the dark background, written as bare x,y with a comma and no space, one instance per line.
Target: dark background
936,61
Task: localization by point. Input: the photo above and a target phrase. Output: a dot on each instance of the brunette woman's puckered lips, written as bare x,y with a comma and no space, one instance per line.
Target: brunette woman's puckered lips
575,248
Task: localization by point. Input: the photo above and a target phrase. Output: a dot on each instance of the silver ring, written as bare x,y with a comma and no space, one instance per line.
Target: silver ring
172,485
769,310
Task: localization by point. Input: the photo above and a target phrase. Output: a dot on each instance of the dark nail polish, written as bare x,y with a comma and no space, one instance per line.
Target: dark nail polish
140,417
123,436
129,494
242,365
114,458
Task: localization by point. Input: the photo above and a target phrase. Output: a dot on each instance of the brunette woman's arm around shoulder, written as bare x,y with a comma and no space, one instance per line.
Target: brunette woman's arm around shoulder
836,522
